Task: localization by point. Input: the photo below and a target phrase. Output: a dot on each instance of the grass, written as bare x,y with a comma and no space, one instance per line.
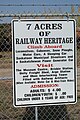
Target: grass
7,109
6,59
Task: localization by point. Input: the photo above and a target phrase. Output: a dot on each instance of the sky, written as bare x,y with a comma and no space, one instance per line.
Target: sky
36,9
39,1
17,9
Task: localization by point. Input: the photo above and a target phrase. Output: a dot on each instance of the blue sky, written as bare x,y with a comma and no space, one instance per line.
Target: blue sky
21,9
35,9
40,1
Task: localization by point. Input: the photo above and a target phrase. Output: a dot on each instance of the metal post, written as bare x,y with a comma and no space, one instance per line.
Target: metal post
36,113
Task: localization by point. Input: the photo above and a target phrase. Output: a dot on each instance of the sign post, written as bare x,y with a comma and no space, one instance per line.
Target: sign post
36,113
44,62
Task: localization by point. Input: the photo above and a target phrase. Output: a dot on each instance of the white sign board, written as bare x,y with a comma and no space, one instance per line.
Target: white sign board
44,62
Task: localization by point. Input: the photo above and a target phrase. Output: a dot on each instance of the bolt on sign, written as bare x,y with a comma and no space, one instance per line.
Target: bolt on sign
44,62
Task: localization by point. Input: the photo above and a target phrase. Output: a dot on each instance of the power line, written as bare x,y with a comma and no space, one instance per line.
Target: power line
40,5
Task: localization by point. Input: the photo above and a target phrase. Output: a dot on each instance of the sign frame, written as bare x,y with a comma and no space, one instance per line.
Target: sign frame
13,65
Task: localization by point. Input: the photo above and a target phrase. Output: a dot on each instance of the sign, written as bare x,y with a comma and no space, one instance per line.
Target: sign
44,62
